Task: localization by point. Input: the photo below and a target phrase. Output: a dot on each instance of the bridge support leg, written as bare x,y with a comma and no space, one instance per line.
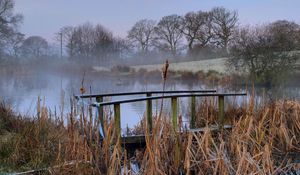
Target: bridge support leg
174,112
101,113
193,112
117,119
174,102
221,110
149,114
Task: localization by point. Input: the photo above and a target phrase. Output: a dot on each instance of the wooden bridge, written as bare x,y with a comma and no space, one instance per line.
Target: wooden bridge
132,141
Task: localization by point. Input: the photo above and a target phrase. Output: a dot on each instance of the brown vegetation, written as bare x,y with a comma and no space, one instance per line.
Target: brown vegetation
264,140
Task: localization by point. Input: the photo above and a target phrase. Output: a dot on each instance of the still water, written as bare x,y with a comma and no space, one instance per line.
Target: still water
55,90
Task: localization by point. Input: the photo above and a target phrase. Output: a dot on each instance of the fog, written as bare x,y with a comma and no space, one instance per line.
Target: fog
55,84
33,67
21,91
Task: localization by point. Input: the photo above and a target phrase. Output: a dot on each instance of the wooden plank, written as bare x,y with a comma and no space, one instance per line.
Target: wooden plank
211,128
169,96
174,112
100,113
141,138
143,92
117,117
133,139
193,112
221,110
149,114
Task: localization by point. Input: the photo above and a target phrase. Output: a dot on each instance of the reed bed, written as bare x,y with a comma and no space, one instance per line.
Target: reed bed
263,140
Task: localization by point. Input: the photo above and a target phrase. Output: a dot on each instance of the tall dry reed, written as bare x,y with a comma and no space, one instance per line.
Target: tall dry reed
263,140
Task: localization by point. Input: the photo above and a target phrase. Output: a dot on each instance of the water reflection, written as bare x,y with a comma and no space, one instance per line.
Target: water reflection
55,91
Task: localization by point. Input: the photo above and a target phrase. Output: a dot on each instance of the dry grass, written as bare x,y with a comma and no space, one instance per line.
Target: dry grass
264,140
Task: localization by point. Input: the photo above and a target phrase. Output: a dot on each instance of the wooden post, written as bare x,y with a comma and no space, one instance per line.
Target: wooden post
117,117
174,112
100,113
221,110
149,114
193,112
175,125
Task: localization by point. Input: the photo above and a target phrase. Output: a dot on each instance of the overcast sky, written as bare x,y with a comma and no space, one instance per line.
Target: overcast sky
46,17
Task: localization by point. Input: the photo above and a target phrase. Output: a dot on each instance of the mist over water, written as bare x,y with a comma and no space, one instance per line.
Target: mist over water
21,92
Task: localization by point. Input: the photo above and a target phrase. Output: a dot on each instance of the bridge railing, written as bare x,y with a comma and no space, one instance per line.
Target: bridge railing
148,93
100,98
174,103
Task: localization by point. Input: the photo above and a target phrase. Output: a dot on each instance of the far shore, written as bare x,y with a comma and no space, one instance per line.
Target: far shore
216,64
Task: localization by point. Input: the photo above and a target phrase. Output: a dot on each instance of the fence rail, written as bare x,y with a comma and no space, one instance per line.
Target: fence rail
100,99
165,96
142,92
174,103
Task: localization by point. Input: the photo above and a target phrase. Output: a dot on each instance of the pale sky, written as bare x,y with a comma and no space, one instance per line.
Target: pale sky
46,17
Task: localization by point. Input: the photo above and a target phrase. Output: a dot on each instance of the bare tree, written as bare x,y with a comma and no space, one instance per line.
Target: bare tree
258,52
68,39
13,44
8,22
84,40
122,48
34,47
284,34
142,34
92,43
224,25
103,43
169,33
197,27
298,37
79,40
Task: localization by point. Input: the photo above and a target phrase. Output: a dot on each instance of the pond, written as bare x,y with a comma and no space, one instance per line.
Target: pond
55,91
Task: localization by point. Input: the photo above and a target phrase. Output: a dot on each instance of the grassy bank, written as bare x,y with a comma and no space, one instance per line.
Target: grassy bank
217,64
265,139
211,71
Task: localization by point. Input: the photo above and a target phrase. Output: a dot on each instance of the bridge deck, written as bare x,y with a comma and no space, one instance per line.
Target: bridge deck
132,143
138,141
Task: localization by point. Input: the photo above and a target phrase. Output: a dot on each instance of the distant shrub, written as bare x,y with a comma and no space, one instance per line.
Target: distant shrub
121,68
212,73
187,75
171,74
200,75
154,74
141,71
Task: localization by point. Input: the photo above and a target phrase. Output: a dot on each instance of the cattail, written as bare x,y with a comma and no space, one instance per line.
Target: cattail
82,90
164,78
165,70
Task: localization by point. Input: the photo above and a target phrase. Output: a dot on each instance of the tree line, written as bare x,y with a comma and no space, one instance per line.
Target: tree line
191,34
260,51
172,36
268,54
